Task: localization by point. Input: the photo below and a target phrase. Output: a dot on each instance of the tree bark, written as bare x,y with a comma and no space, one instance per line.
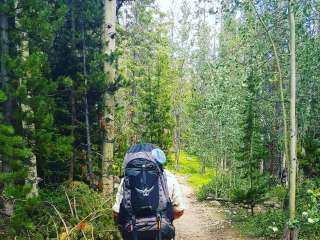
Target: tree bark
132,139
108,101
8,206
203,165
261,171
4,55
293,142
33,174
73,99
87,120
291,233
73,127
32,177
177,141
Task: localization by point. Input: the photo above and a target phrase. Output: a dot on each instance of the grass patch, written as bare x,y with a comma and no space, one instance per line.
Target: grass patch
267,225
190,165
270,224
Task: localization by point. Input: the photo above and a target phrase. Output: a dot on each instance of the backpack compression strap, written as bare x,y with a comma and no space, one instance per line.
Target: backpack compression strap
128,206
164,198
163,202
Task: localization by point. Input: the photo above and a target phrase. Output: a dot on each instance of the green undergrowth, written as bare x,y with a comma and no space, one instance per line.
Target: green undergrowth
190,166
74,209
266,225
270,214
270,224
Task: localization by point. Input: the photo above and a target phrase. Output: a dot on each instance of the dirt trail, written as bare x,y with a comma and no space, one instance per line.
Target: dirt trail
202,221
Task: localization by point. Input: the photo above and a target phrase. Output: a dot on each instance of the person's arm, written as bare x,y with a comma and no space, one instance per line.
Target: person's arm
116,206
177,199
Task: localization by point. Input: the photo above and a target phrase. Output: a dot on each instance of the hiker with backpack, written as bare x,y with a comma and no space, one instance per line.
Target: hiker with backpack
148,198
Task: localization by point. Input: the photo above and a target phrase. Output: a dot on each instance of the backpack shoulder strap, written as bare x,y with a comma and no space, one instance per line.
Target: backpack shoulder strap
127,195
163,178
164,198
128,205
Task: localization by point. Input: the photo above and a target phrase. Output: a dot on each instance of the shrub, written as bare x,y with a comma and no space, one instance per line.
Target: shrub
219,186
84,212
268,225
308,213
277,193
251,196
206,191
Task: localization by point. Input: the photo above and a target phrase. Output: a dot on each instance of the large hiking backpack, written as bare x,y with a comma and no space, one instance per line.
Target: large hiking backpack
145,211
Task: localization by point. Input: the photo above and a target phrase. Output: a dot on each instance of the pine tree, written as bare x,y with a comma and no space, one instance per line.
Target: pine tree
14,155
148,104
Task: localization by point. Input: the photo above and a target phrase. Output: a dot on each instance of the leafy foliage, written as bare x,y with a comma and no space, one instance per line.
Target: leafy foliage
85,212
206,75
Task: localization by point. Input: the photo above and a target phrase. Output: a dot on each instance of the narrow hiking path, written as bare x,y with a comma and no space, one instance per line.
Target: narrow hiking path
202,221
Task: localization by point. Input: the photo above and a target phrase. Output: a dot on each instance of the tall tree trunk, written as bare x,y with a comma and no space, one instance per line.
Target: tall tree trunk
32,177
203,165
293,142
261,170
8,206
108,101
177,141
87,121
292,233
73,98
4,73
132,114
274,168
73,127
132,139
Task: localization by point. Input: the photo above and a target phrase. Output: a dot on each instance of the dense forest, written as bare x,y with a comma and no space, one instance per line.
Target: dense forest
235,83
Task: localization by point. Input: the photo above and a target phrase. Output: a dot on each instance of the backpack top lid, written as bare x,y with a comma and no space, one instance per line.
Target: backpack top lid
143,151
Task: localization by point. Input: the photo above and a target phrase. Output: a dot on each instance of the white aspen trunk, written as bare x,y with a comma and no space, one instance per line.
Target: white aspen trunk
32,177
214,35
291,233
217,177
177,141
108,108
261,167
284,172
293,142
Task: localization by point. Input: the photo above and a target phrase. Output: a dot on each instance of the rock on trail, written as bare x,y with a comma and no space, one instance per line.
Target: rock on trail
202,221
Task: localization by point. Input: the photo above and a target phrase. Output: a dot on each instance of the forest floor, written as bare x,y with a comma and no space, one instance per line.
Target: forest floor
202,220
